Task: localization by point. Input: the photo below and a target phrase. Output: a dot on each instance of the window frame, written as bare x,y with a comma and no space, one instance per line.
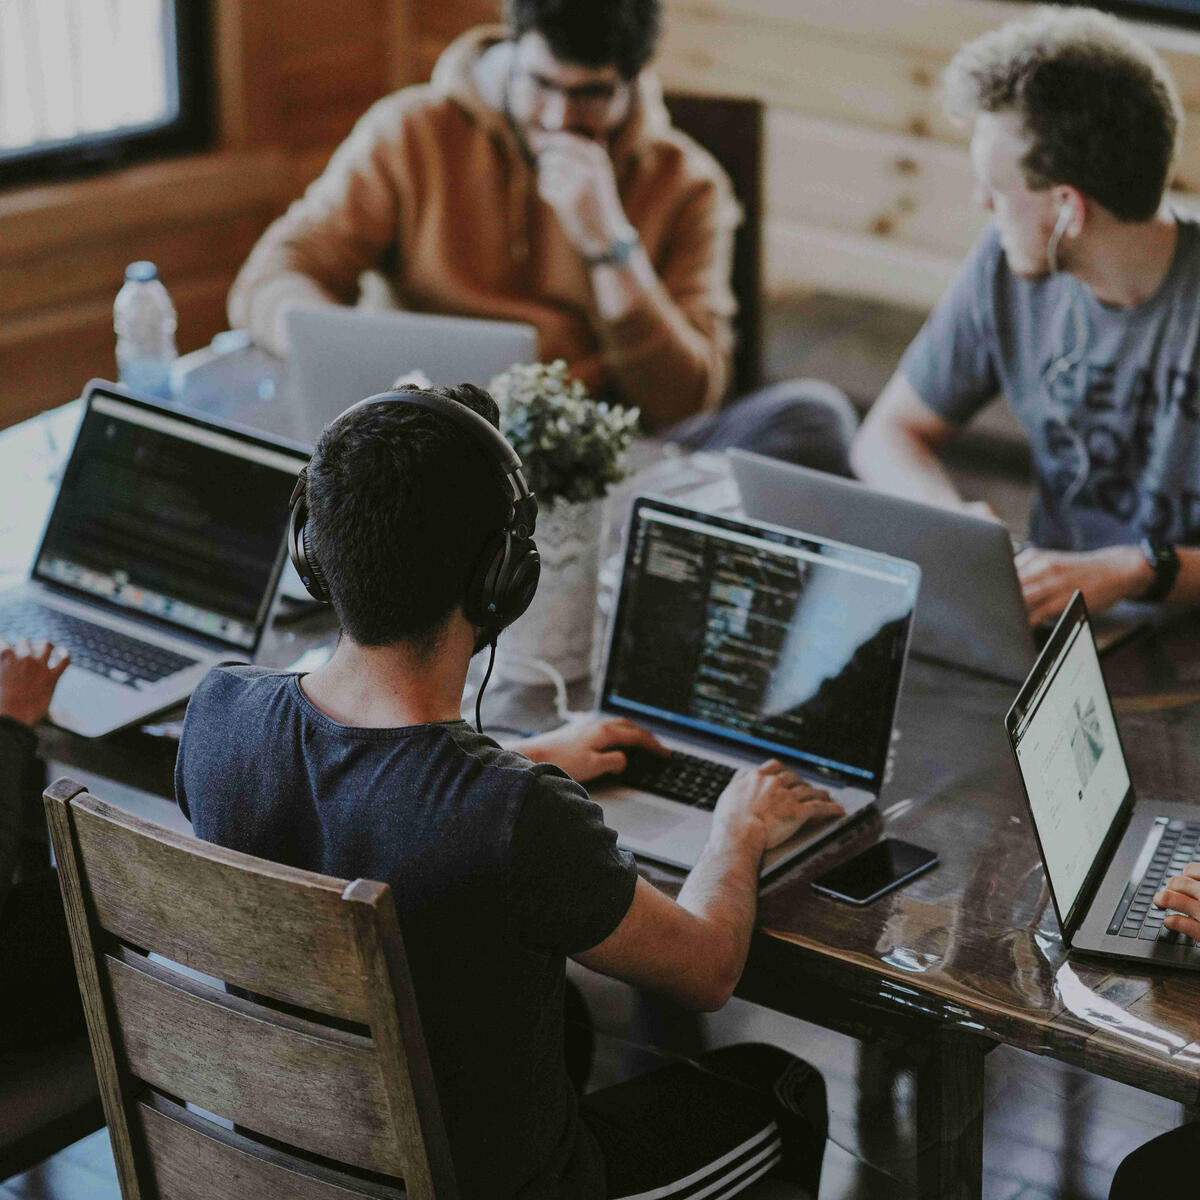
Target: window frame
192,130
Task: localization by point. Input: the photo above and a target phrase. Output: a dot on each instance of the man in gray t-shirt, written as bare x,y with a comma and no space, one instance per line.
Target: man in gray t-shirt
1081,304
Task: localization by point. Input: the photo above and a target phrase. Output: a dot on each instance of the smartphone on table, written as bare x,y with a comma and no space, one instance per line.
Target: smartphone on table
876,871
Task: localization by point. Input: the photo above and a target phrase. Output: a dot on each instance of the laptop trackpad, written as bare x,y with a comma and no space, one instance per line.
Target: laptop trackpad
641,817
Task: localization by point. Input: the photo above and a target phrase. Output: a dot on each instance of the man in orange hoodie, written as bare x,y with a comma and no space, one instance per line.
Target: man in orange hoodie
537,178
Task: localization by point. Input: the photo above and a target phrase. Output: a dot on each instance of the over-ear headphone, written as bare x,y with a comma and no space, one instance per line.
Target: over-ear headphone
505,575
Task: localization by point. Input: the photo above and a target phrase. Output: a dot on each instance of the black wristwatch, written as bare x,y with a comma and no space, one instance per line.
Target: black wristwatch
1164,560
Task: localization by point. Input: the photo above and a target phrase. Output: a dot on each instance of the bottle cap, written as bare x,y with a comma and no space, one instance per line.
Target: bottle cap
141,271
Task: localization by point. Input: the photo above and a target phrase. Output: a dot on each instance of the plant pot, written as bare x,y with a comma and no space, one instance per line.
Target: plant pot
558,625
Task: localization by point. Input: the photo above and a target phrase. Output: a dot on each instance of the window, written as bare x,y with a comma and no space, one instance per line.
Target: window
89,84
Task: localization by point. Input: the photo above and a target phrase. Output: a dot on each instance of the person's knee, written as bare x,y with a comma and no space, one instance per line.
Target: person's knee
805,421
795,1085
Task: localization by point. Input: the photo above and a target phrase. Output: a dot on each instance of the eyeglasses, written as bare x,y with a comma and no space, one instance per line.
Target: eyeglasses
594,100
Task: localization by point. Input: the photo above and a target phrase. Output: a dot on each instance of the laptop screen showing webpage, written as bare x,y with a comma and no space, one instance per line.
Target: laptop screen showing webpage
767,640
1071,763
171,519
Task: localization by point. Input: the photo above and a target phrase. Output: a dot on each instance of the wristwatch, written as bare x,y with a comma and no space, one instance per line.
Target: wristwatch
1164,561
620,250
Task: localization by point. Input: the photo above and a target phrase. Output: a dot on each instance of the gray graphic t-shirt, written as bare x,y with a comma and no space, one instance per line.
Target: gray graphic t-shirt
1110,397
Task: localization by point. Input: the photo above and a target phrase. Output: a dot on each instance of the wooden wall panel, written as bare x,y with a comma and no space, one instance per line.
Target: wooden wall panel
861,159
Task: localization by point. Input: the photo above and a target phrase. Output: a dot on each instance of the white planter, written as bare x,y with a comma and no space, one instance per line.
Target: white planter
558,626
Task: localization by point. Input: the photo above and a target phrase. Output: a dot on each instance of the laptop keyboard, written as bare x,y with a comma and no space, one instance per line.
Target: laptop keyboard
1136,916
683,777
102,651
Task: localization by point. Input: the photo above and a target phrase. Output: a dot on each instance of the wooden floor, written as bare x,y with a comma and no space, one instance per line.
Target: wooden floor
1050,1131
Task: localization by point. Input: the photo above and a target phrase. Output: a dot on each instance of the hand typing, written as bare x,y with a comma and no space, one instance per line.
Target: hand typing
1182,893
27,680
591,748
1049,578
773,801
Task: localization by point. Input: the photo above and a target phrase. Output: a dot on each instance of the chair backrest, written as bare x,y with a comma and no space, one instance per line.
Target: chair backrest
731,130
321,1075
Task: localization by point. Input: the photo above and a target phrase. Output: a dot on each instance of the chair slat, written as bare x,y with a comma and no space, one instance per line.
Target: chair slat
192,1159
288,936
318,1089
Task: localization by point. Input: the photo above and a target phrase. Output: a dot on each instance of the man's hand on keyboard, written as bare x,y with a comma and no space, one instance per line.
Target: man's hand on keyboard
773,801
588,749
27,680
1182,893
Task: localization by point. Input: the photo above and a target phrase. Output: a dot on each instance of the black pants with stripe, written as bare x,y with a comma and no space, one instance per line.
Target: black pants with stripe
712,1128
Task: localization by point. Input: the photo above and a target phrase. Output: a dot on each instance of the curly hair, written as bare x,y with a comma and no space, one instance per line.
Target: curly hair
1100,109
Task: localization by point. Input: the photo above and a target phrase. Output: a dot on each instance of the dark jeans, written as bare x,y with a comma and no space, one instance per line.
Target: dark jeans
1172,1159
803,421
39,1004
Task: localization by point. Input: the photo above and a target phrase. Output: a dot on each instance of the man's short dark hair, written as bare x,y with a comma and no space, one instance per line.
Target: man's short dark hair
592,33
1099,107
400,501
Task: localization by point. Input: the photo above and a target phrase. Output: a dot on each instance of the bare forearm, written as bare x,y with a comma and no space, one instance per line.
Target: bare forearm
893,460
722,891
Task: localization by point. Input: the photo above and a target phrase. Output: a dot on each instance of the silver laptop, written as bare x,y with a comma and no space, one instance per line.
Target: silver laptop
1105,851
971,614
340,355
159,558
737,642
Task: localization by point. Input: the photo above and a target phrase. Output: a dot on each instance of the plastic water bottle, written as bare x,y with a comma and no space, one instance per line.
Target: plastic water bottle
144,321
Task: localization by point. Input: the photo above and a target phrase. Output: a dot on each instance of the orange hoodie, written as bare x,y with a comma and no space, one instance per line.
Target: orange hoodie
433,189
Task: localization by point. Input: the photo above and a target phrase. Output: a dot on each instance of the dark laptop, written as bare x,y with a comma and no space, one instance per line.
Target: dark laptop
736,642
1105,851
159,559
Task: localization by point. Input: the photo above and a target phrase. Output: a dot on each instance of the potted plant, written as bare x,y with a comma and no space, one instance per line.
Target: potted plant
572,448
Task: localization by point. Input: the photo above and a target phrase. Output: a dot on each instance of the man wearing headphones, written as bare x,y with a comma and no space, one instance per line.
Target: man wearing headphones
1081,304
414,520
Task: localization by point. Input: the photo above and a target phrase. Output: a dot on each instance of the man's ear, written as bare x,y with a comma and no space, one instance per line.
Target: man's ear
1075,204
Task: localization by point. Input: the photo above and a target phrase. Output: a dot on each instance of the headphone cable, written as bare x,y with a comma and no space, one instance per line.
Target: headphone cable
483,685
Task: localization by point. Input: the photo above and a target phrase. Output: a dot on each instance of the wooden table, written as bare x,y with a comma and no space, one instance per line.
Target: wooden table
962,959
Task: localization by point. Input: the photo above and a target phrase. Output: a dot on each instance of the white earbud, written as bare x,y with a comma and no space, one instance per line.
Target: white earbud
1056,236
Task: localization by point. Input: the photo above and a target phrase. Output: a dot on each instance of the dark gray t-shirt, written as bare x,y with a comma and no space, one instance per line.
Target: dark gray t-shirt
1110,397
499,869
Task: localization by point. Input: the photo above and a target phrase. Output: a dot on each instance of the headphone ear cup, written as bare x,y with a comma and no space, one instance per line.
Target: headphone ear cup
317,584
300,550
480,605
504,581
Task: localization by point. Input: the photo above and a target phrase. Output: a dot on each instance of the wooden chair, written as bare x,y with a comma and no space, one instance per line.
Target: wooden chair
731,130
323,1073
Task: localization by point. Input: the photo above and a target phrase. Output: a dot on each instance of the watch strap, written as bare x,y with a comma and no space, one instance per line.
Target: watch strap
1164,559
620,250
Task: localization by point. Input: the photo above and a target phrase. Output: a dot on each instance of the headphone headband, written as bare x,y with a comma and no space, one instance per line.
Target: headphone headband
467,419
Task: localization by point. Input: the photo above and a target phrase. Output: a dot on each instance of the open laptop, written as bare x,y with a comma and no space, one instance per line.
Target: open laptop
339,355
736,642
1105,852
971,614
159,558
